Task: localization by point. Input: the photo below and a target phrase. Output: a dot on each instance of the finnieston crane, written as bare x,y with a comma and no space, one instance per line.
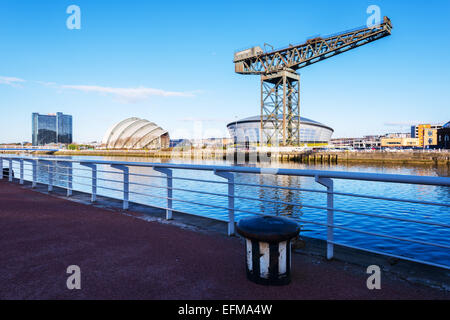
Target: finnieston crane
280,84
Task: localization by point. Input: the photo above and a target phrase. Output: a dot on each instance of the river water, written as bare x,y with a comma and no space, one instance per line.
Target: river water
408,230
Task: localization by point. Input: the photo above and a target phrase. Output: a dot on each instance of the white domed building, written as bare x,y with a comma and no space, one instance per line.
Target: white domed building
136,134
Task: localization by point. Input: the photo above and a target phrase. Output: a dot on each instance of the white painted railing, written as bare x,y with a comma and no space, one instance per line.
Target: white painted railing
324,178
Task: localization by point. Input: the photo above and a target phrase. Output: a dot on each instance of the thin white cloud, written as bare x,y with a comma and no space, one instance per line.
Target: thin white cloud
128,95
193,119
401,124
47,84
125,95
11,81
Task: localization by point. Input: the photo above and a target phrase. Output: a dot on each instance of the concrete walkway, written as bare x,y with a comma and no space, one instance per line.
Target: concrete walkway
124,257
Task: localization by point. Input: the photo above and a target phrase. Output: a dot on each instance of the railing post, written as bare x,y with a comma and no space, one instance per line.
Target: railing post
168,173
230,177
10,171
21,171
50,174
34,174
126,183
1,167
68,165
33,184
94,179
328,183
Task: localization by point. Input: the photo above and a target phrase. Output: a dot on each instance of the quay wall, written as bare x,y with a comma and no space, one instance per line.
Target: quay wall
441,158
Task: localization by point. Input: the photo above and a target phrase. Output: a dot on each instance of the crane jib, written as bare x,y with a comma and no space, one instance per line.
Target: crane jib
256,61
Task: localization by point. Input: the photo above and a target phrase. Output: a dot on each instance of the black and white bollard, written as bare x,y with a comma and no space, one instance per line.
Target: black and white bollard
268,248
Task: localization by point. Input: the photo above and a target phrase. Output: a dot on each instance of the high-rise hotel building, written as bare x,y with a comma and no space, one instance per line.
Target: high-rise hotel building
51,128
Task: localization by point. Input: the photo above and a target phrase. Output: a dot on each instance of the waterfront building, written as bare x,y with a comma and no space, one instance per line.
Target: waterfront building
443,136
400,142
137,134
428,138
367,142
418,131
398,135
247,131
214,143
344,142
51,128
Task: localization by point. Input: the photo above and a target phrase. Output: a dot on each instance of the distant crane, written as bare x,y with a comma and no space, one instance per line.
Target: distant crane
280,84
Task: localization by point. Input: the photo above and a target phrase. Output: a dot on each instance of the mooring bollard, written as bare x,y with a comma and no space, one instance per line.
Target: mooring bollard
268,244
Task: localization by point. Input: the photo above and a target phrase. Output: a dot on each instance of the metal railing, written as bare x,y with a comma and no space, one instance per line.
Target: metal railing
64,168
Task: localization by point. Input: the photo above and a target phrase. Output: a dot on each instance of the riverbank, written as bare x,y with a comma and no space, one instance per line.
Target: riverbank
373,157
435,158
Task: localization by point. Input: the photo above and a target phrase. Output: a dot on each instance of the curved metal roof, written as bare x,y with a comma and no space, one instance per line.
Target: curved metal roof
302,120
132,133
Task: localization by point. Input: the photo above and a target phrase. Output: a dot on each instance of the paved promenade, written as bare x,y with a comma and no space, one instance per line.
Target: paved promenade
124,257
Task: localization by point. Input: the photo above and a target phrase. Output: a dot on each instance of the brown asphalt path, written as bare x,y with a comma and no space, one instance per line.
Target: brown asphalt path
123,257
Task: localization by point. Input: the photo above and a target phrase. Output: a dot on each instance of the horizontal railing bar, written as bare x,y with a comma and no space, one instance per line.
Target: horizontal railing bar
376,215
217,194
197,203
108,188
391,255
72,168
346,194
107,171
110,180
392,199
180,211
376,234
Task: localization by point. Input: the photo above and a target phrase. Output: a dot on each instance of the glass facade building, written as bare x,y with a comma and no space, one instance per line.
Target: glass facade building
52,128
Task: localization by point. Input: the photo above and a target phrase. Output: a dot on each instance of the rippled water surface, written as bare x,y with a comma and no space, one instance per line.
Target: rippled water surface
295,201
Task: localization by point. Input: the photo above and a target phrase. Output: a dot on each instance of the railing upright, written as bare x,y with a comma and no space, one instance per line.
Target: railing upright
33,184
231,220
21,171
168,173
94,179
126,183
328,183
1,168
10,171
69,167
10,176
50,174
34,171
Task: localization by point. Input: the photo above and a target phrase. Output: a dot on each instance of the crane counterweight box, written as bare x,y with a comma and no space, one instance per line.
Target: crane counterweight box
248,53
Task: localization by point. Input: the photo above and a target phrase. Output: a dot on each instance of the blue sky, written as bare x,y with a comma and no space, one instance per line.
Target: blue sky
171,62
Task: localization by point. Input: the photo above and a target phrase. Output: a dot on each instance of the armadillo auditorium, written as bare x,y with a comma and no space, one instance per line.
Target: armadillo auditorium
248,131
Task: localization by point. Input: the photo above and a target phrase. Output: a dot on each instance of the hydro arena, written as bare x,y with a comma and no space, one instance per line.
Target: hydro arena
247,131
